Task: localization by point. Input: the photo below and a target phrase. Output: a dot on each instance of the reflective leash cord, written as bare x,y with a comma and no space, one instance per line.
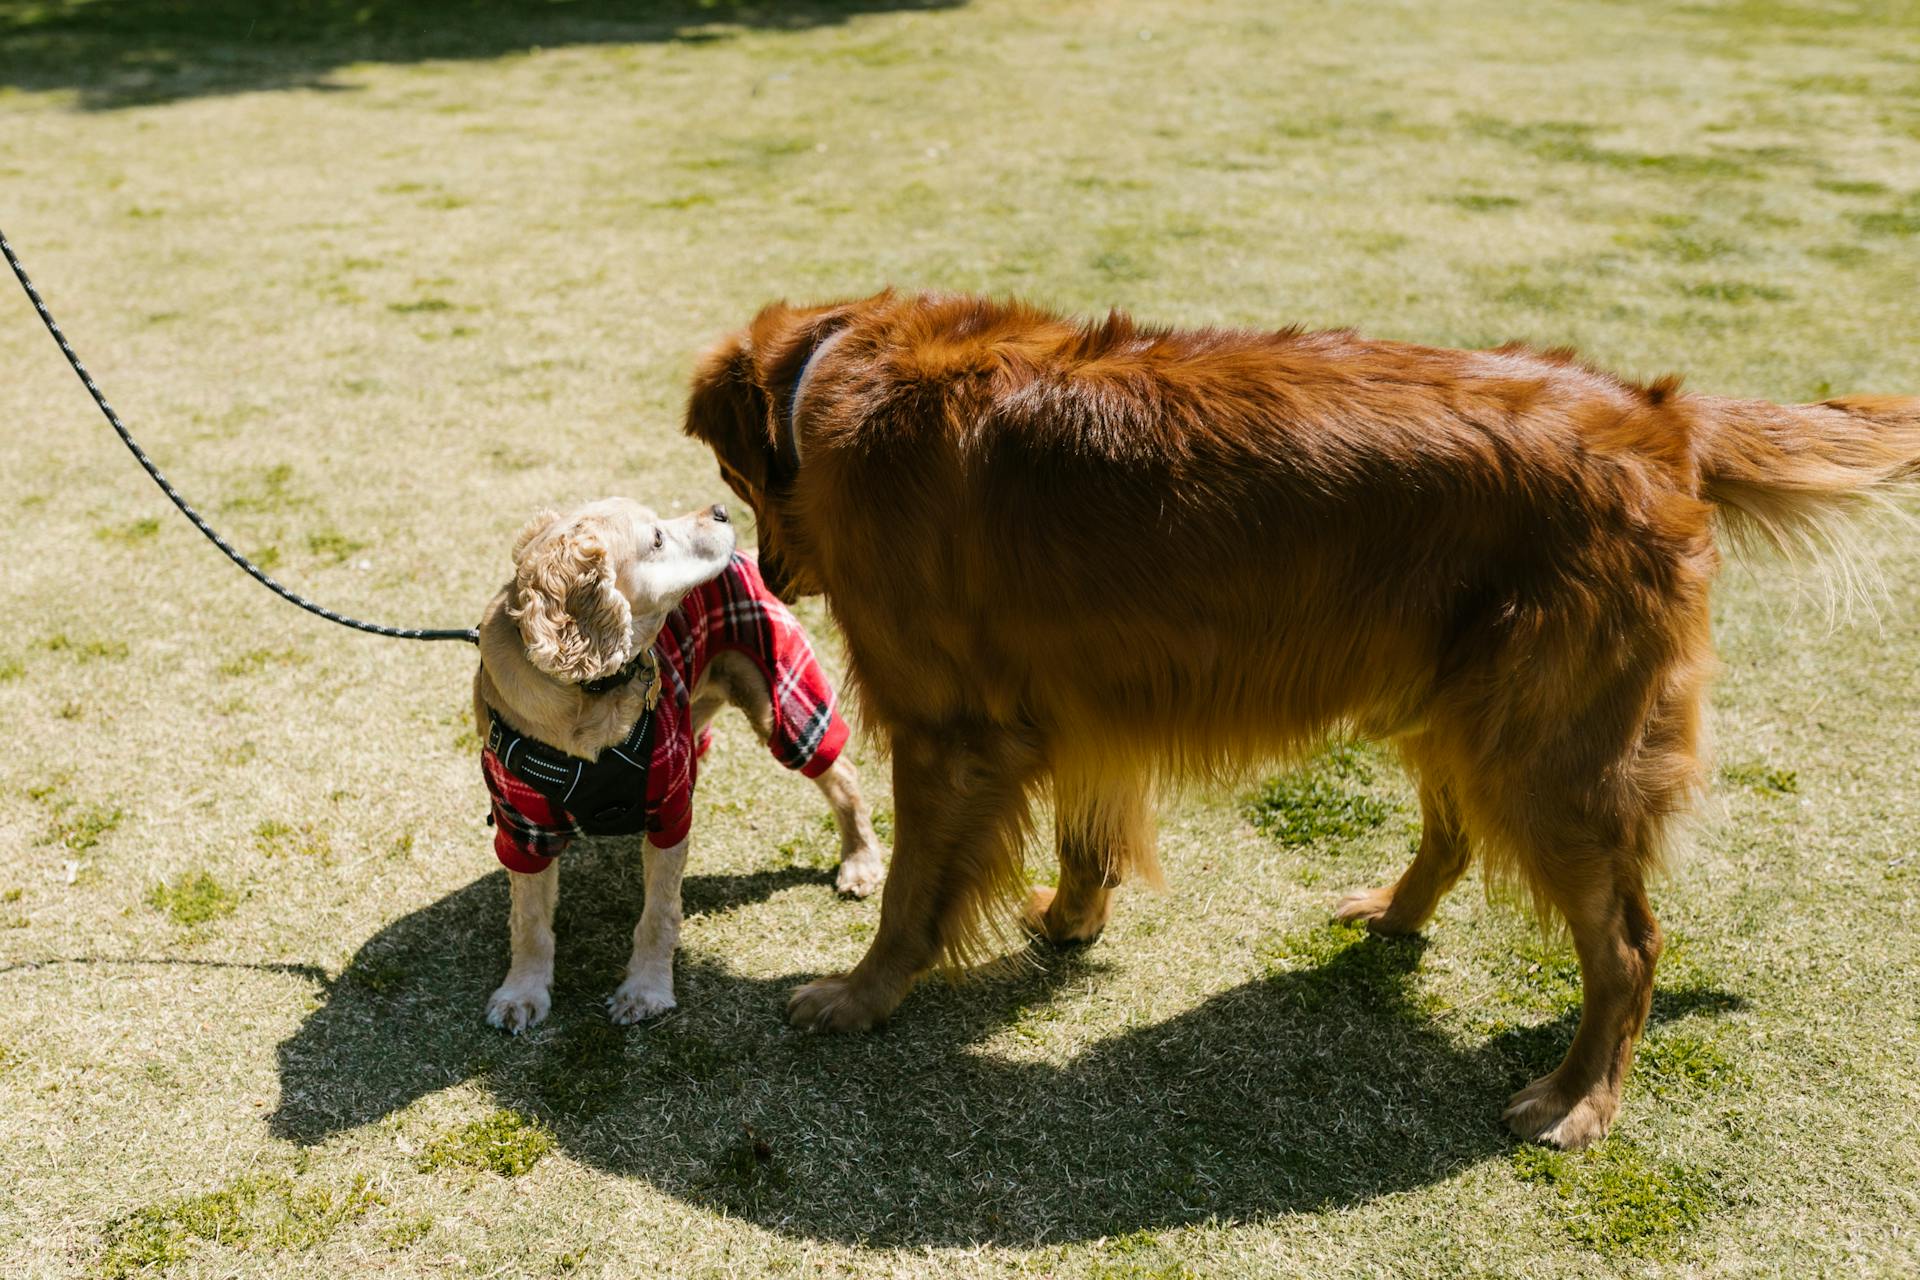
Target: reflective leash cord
126,438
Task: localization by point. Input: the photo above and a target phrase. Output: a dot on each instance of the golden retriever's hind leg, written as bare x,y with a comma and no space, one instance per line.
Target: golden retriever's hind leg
1593,872
1409,902
960,800
1619,944
1105,830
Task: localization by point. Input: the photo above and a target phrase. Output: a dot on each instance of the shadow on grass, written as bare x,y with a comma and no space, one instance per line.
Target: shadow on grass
120,53
311,972
1315,1088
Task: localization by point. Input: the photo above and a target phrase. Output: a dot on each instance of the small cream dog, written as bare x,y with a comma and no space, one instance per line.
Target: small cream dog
601,665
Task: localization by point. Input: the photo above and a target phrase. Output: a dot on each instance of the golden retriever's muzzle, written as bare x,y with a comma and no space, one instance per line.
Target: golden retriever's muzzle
773,569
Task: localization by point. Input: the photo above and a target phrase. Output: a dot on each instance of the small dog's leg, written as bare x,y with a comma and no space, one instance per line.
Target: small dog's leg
862,863
1409,902
523,999
648,989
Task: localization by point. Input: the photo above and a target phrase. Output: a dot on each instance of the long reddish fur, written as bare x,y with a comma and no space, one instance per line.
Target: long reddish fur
1097,555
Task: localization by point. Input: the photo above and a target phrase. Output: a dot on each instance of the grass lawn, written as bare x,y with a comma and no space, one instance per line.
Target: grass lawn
374,280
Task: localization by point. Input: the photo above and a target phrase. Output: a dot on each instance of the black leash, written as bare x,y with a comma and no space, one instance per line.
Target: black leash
126,438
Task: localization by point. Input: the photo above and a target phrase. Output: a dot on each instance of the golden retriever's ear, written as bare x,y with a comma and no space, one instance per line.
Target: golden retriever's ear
727,411
576,623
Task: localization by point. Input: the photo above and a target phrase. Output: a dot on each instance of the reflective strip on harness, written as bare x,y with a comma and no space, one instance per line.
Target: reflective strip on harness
604,797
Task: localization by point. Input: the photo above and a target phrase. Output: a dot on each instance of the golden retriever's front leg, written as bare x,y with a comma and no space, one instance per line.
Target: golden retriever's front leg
958,792
523,999
1104,830
1075,911
1410,901
648,989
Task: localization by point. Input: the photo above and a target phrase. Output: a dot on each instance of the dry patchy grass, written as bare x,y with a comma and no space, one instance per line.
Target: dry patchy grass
373,284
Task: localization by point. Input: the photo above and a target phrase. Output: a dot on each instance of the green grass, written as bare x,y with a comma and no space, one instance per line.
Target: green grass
375,974
1335,962
1684,1063
333,545
745,1176
71,824
85,651
1487,204
194,899
1617,1200
373,285
80,829
1892,223
1323,802
275,838
505,1143
253,1214
408,1231
254,661
1765,779
131,533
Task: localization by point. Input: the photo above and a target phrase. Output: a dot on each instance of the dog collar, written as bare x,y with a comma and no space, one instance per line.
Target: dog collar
641,661
800,385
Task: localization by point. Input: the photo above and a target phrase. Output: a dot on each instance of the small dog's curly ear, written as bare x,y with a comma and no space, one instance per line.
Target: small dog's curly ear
576,624
532,529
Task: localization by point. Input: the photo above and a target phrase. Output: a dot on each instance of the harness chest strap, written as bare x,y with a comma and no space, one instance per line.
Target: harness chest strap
607,796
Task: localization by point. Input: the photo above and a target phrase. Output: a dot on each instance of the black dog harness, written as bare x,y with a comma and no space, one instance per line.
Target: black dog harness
606,797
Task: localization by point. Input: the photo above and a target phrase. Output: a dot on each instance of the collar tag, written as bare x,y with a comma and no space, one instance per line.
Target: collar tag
642,661
653,680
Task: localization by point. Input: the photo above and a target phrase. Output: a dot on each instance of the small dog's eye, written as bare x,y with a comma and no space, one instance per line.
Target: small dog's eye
658,541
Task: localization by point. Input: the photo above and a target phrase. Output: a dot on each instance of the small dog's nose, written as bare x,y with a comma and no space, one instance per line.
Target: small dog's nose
720,512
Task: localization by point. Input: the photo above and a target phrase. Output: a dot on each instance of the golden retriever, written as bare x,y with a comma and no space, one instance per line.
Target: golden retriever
1098,555
601,665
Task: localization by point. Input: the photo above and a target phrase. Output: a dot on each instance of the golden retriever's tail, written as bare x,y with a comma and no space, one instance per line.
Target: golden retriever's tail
1796,476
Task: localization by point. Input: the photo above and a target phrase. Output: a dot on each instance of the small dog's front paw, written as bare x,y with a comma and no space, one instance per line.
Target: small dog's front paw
640,998
519,1005
861,872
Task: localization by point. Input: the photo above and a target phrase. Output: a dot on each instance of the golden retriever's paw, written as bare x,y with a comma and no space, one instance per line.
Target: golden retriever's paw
1374,909
519,1005
835,1004
1043,918
1543,1113
639,998
861,872
1033,913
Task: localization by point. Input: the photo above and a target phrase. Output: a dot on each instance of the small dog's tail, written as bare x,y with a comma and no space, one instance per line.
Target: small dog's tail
1795,476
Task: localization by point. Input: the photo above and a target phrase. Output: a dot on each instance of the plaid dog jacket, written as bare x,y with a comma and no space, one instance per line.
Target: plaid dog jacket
733,612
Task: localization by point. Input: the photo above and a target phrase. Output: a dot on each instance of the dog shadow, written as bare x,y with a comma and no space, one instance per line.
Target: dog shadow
1309,1089
120,53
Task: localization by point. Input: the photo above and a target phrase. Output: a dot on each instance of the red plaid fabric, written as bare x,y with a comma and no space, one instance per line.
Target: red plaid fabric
733,612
